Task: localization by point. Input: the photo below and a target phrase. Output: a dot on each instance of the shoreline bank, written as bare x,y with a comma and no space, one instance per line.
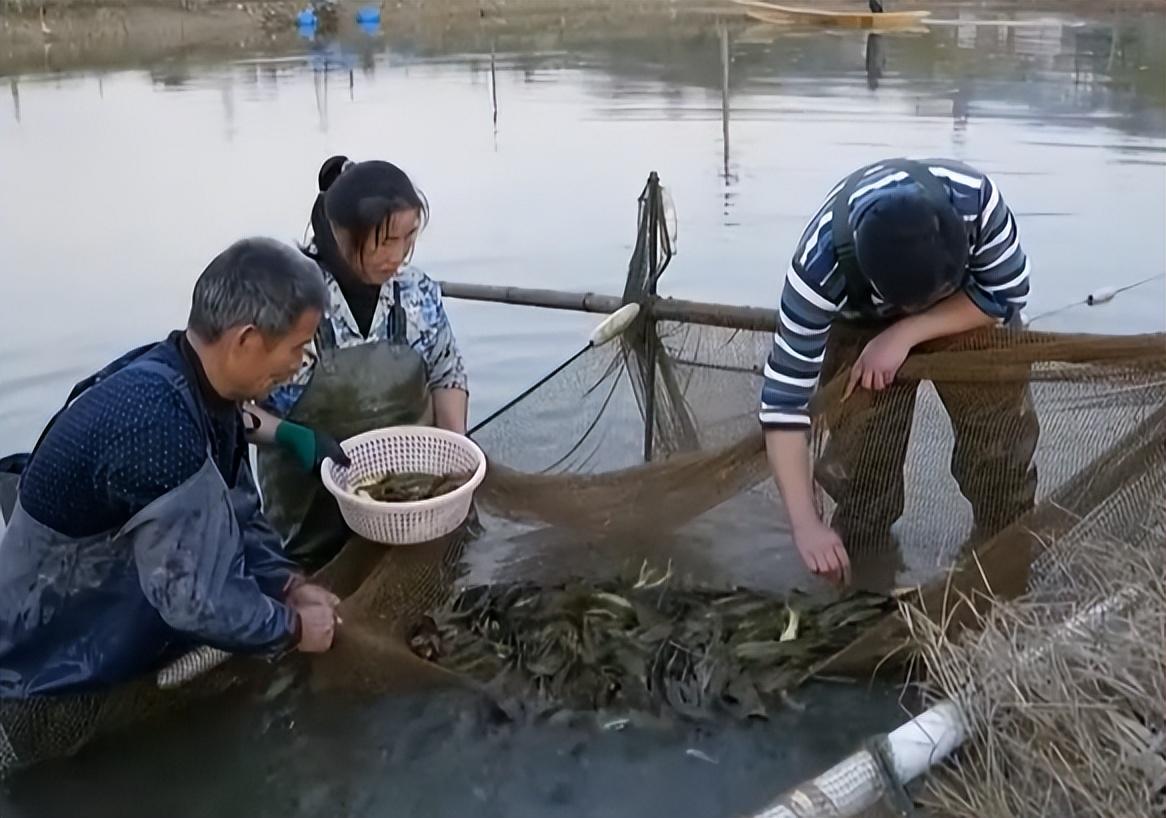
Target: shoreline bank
52,36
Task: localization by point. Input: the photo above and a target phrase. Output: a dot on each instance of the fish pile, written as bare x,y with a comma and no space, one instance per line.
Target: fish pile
670,652
407,486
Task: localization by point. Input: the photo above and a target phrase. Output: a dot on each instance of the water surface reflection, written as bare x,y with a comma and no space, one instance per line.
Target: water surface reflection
120,183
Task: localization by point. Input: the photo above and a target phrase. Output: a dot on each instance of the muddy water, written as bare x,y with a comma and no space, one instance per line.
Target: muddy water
118,186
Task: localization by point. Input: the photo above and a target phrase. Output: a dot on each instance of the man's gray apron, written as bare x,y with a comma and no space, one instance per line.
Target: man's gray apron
55,579
9,483
351,390
48,576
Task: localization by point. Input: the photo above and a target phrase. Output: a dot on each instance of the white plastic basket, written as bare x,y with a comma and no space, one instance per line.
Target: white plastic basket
410,449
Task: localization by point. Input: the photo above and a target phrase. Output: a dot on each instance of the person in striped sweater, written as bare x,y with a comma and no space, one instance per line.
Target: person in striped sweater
903,252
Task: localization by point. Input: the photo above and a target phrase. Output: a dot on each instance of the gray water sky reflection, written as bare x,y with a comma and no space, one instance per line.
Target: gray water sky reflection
119,185
152,172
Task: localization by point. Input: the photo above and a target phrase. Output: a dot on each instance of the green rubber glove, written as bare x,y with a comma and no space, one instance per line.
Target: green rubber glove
309,446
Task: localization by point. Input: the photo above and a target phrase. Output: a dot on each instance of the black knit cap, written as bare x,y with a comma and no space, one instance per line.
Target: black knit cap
914,251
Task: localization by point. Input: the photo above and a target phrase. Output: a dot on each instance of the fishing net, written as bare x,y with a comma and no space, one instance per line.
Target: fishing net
1048,639
1066,681
1030,409
643,457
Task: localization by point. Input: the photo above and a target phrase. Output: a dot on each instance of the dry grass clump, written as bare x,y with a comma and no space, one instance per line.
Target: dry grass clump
1064,690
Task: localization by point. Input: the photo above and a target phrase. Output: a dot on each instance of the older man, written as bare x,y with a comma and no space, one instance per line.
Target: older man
138,531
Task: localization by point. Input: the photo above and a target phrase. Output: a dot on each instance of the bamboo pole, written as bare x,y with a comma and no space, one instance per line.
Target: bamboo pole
711,314
706,313
530,297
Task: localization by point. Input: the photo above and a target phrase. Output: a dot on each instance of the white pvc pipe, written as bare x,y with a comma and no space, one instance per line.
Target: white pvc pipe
857,783
927,739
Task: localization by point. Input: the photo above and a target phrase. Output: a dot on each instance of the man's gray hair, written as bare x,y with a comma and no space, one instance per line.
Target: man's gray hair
257,281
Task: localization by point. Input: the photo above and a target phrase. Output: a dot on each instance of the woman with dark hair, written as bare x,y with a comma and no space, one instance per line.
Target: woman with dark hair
384,354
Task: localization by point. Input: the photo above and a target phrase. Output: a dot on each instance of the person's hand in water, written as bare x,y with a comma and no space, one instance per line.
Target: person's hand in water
820,547
317,628
823,552
307,595
879,362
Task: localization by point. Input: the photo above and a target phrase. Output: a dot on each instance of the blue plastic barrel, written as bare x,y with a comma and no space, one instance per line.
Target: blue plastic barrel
368,14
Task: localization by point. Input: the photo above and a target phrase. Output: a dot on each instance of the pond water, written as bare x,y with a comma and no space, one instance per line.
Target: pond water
117,186
120,186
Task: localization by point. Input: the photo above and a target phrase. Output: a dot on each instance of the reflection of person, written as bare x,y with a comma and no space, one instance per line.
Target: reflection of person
384,356
138,531
961,102
876,60
900,253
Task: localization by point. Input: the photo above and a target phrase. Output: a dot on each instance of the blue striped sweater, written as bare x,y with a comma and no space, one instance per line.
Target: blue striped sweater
814,295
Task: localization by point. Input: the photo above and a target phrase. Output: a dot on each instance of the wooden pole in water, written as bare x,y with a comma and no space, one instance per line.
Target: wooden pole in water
494,89
724,32
731,316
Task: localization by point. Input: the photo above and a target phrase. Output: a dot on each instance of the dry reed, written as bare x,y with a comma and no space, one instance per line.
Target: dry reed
1064,720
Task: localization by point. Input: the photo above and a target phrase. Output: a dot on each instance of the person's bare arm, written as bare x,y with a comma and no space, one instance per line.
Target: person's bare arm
820,546
450,408
882,358
951,316
788,452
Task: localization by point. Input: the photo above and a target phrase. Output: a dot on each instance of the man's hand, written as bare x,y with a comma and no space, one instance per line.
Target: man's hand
879,362
327,447
317,628
822,552
308,595
309,446
821,549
